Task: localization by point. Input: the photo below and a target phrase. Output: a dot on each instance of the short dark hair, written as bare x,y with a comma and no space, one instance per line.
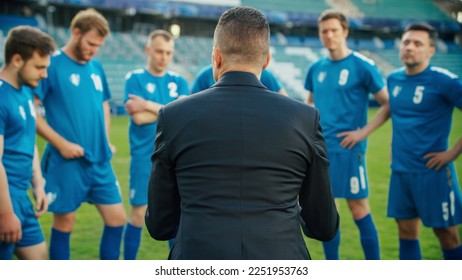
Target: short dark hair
422,26
160,32
330,14
242,34
89,19
25,40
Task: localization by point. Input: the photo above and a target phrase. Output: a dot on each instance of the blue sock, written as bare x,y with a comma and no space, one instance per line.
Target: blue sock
453,254
409,249
331,248
132,240
170,243
109,247
369,237
60,245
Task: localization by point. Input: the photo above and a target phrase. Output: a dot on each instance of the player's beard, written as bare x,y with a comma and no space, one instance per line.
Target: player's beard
28,82
79,52
410,62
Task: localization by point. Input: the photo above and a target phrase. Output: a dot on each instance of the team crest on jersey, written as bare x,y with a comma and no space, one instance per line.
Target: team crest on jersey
22,112
150,87
75,79
396,91
321,77
343,78
97,82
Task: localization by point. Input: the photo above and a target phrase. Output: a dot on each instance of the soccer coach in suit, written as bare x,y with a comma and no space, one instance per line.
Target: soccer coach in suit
238,171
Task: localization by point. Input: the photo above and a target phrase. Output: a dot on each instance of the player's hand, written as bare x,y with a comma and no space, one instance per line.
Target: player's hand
439,159
41,201
10,228
135,104
351,138
112,148
70,150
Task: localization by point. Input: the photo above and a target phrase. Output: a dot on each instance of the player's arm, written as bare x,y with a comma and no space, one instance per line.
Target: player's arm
310,98
10,226
38,184
440,159
353,137
67,149
107,123
141,110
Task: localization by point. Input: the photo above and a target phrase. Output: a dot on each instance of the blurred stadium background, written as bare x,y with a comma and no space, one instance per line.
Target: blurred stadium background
376,26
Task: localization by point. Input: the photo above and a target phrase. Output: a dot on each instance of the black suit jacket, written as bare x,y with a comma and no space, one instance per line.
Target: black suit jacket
230,165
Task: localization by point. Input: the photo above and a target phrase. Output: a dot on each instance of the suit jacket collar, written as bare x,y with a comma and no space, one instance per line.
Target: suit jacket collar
239,79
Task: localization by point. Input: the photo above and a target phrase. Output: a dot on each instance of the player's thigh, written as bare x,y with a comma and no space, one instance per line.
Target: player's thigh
348,175
113,214
104,187
32,233
66,182
34,252
140,171
439,198
401,204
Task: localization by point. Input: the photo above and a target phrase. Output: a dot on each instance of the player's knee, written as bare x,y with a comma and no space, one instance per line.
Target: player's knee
408,230
64,222
136,219
448,237
117,217
359,208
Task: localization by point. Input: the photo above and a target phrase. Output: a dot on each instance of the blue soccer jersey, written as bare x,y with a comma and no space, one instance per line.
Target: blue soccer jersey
268,80
421,109
17,125
204,80
73,96
341,93
162,90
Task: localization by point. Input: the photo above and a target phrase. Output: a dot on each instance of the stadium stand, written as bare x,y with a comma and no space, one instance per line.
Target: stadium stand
399,9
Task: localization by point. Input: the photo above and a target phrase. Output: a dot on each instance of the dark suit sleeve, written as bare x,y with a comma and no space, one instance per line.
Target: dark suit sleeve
163,212
319,215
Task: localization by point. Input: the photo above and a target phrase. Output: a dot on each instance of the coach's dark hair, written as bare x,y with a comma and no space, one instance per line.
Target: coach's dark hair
89,19
242,35
25,40
330,14
159,32
421,26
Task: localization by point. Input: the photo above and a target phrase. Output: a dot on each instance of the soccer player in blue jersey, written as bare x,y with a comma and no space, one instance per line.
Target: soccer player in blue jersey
146,91
339,86
423,184
27,56
204,80
76,163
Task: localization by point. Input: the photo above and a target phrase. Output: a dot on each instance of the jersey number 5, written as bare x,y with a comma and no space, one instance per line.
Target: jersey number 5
418,94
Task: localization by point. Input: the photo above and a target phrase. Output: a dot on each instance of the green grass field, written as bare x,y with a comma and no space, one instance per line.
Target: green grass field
88,227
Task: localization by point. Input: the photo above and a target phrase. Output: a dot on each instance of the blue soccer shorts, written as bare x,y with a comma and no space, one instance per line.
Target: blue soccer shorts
70,182
140,171
434,196
348,175
32,233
